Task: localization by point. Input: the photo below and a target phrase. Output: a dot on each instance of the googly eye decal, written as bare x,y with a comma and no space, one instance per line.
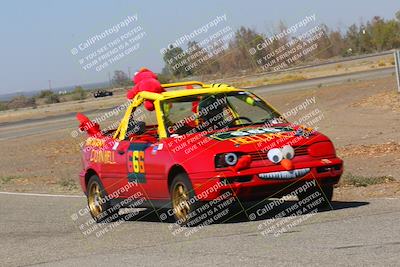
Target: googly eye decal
275,155
288,152
231,159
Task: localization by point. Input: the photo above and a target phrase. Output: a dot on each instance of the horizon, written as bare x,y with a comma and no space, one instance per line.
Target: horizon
46,41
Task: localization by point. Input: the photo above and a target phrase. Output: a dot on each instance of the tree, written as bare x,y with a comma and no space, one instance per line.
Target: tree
120,78
21,102
248,50
164,78
365,39
3,106
324,49
244,40
352,37
195,57
79,93
176,62
53,98
50,96
338,43
378,33
45,93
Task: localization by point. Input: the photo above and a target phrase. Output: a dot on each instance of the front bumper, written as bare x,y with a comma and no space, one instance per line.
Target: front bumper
265,182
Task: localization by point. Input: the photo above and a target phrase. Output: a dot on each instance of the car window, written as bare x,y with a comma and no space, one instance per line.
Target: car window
181,109
215,112
142,122
109,120
142,114
250,106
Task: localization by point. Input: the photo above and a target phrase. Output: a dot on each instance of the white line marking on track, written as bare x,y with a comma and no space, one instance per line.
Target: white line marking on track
38,195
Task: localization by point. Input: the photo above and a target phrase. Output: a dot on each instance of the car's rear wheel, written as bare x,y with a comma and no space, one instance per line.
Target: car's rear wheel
183,199
100,208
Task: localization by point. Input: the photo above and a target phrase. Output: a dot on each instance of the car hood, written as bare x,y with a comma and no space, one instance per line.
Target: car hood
244,139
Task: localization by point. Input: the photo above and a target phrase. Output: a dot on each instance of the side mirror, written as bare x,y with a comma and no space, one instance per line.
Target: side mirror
122,147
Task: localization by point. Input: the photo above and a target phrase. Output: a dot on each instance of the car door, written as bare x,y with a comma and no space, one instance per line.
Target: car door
143,164
112,163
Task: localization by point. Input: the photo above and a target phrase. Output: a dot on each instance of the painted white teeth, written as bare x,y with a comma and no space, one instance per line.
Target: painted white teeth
285,174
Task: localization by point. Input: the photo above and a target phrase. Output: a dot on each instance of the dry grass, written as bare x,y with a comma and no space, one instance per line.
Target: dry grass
338,66
7,179
388,100
69,184
381,63
361,181
371,150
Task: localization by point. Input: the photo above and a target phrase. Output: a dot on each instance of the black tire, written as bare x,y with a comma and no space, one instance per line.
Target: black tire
326,193
184,214
100,209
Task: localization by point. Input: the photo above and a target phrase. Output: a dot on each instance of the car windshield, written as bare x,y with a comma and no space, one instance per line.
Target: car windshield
212,112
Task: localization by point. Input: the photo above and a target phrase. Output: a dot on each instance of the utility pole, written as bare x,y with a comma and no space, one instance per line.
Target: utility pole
50,85
397,60
109,80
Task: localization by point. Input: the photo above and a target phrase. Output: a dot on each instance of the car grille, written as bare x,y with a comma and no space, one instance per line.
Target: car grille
282,175
260,155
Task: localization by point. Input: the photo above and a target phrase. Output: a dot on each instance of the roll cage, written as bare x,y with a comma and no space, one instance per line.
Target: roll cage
122,129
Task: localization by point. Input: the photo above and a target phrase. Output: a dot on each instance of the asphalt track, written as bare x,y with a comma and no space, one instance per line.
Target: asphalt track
43,230
39,231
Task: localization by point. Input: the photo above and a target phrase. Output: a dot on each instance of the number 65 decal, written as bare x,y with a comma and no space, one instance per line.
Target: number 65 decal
136,161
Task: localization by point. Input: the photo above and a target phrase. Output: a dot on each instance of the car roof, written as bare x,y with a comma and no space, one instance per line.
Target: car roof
205,89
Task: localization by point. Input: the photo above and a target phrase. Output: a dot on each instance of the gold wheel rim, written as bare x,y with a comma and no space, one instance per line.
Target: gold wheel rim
180,202
95,199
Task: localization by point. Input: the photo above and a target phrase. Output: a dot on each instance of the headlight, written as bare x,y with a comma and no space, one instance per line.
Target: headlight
231,159
226,160
322,149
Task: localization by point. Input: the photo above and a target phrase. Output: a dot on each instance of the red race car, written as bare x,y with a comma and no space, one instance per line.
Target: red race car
197,145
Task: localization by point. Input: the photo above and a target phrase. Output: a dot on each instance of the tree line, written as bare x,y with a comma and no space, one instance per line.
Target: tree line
375,35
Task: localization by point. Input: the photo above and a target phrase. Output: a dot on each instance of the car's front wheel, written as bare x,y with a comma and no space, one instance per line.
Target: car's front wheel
183,199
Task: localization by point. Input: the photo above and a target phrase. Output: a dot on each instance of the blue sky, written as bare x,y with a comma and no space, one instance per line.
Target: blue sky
37,36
